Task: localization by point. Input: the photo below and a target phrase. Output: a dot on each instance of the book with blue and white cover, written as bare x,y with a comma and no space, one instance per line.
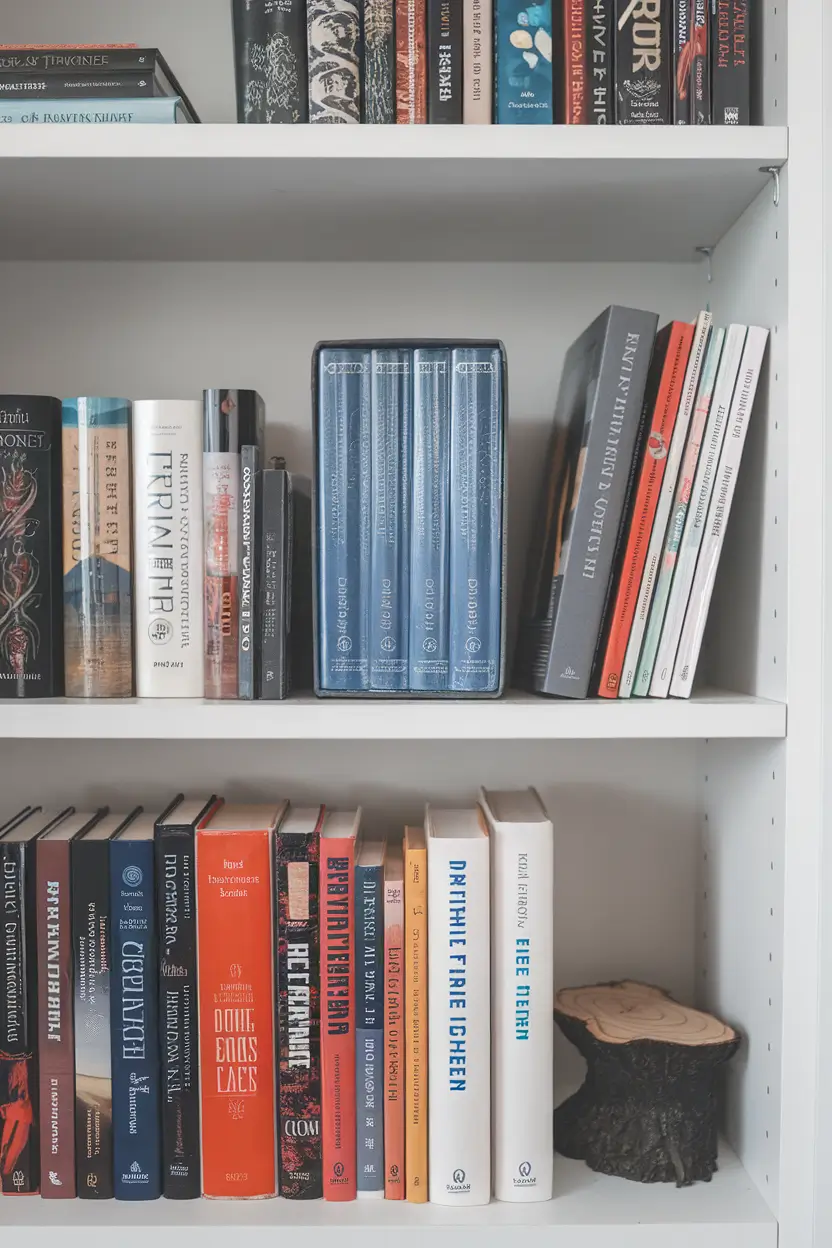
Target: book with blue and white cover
163,110
392,402
429,549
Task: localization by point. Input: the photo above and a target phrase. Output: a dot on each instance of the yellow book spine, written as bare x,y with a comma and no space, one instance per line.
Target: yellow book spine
416,1023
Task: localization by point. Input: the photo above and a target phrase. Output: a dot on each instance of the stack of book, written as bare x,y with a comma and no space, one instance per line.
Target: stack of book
245,1001
119,84
410,515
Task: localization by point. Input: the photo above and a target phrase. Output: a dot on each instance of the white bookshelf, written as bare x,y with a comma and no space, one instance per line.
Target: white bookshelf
690,835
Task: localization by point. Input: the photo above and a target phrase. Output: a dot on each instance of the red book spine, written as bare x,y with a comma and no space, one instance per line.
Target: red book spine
574,44
394,1167
672,357
56,1039
411,63
338,1016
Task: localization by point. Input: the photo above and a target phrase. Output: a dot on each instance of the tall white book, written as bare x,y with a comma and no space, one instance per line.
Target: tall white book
167,547
697,511
478,61
459,1014
722,495
522,978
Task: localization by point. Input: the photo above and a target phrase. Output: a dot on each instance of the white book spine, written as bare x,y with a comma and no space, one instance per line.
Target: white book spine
697,512
718,512
665,502
459,1018
167,540
522,1029
478,60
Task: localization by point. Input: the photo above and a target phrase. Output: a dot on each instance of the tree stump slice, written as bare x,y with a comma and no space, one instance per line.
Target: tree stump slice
648,1109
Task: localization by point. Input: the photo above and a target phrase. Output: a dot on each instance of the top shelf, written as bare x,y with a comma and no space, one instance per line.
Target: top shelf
222,192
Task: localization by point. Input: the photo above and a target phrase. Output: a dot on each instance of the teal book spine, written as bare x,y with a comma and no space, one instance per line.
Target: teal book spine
163,110
523,63
476,519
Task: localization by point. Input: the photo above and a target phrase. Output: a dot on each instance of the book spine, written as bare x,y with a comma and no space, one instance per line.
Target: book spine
394,1143
719,510
476,519
299,612
600,37
55,87
247,562
271,616
682,62
56,1039
416,1023
137,1162
344,496
676,524
731,62
221,504
19,1147
430,516
445,54
178,1012
91,112
379,64
477,51
575,62
297,860
664,505
31,619
642,63
522,1030
523,65
459,1022
333,31
236,1014
90,870
700,74
369,1028
100,59
338,1018
411,63
98,597
697,512
391,423
664,391
270,61
168,549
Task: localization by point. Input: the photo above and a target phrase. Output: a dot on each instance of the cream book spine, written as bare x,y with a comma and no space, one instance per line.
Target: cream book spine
477,62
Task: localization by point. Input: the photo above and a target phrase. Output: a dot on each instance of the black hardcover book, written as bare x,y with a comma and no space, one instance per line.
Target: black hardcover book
599,46
642,63
731,62
178,1005
700,74
682,61
285,592
101,63
444,63
270,61
123,86
31,554
299,608
378,68
597,422
248,565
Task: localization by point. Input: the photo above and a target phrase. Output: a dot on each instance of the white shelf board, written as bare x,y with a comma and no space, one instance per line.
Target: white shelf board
222,192
589,1211
518,716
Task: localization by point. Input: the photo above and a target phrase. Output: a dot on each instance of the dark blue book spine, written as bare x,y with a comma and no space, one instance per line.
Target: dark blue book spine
134,1023
344,518
476,519
369,1027
429,615
390,549
523,64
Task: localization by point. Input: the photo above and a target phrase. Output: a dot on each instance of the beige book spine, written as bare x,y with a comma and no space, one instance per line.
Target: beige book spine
477,65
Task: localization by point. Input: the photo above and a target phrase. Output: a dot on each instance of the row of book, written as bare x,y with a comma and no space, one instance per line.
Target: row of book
410,473
245,1001
144,548
648,438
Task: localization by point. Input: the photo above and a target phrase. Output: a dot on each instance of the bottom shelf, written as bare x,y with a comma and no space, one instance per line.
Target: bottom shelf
587,1211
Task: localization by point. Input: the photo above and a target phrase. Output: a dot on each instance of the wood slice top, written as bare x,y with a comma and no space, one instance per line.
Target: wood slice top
623,1012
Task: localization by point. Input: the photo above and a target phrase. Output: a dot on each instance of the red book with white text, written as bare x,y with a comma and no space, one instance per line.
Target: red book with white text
574,62
394,1168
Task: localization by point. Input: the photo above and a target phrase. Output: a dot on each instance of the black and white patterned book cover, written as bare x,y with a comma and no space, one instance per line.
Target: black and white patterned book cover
270,61
334,39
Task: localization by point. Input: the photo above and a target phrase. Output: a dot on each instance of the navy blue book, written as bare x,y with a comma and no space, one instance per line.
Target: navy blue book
134,1033
476,519
369,1016
429,615
390,544
343,518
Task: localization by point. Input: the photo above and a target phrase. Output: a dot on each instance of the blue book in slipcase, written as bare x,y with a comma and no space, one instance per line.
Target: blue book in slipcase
429,617
161,110
476,519
369,1017
344,495
137,1151
523,63
392,405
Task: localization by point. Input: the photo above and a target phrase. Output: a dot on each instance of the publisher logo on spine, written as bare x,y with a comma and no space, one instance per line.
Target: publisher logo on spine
656,445
458,1184
160,632
343,366
338,1177
525,1178
132,876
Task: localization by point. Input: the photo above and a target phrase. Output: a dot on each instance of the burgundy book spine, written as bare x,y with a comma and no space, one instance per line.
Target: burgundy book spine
574,43
411,63
56,1042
